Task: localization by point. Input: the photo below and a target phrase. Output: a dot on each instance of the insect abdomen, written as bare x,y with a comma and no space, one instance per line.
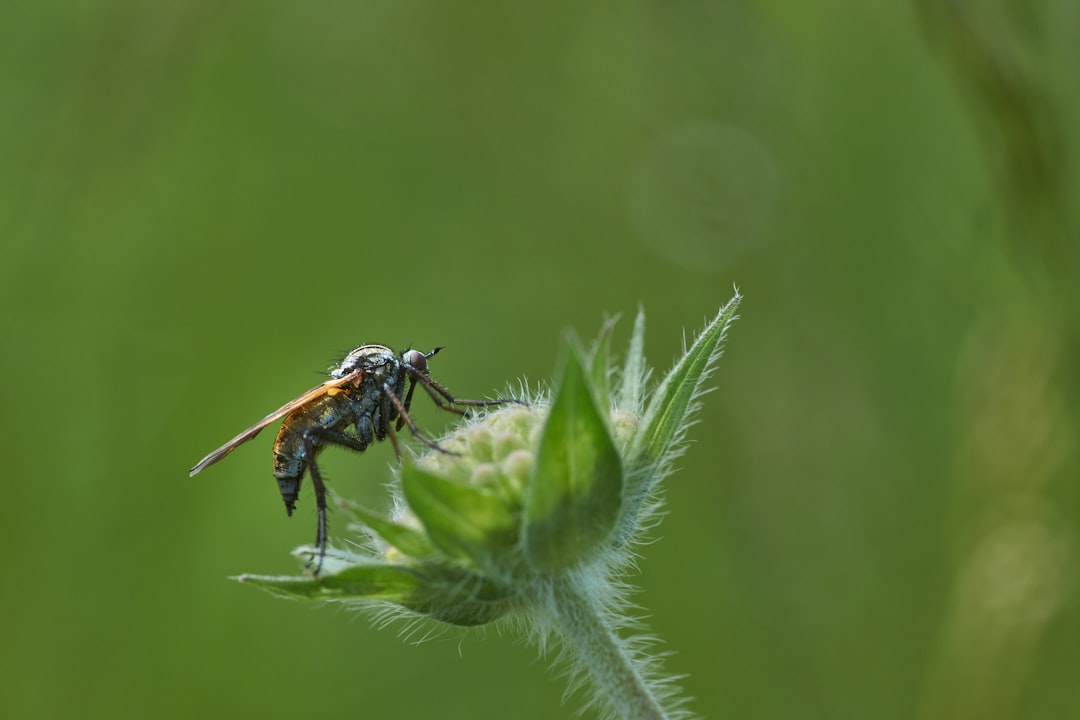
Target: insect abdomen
330,412
289,465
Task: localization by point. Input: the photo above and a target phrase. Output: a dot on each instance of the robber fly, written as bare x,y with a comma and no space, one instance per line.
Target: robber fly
359,403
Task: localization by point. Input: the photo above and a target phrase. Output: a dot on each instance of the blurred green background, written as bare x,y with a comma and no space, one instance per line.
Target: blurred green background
203,203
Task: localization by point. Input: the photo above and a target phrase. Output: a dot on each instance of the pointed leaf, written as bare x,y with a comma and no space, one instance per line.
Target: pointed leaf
575,492
371,581
635,373
664,423
408,540
600,364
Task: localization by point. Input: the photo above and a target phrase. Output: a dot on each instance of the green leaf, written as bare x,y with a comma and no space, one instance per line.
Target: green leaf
372,581
599,364
665,421
406,539
458,596
462,520
575,493
635,372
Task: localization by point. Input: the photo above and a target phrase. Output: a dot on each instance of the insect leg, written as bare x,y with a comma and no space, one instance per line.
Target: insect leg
403,414
315,438
408,398
445,401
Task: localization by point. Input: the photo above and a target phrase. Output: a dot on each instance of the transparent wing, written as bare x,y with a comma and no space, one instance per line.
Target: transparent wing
281,412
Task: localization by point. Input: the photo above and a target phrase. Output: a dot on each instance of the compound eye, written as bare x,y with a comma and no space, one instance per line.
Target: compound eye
417,360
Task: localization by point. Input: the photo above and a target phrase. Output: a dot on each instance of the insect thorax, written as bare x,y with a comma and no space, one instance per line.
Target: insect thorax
374,358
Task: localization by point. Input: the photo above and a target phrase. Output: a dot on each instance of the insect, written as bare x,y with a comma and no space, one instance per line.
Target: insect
358,405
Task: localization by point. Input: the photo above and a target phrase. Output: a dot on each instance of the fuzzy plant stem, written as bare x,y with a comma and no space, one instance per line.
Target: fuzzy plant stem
591,644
